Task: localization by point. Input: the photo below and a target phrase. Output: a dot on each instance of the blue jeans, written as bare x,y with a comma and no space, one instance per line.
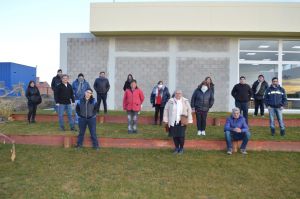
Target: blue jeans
278,112
76,116
61,109
243,106
91,123
229,135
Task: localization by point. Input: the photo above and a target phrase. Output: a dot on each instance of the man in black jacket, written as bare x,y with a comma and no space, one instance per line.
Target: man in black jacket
55,82
258,89
101,86
242,94
64,97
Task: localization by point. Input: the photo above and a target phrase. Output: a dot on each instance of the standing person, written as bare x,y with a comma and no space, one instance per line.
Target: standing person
210,84
202,101
159,97
80,85
34,98
132,101
102,86
128,82
54,84
258,89
86,109
242,94
177,114
64,98
275,99
236,128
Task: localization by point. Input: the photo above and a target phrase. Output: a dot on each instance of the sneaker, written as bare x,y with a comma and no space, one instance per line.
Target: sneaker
78,147
134,131
263,116
229,152
243,151
97,148
130,132
175,151
199,133
180,152
203,133
62,129
73,129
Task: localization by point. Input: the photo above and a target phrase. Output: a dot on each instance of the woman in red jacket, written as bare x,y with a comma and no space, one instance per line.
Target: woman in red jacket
132,101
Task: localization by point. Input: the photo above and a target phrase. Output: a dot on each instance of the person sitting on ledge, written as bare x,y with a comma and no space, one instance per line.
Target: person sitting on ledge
236,128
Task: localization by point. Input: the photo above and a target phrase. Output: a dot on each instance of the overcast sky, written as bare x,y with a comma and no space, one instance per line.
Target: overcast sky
30,29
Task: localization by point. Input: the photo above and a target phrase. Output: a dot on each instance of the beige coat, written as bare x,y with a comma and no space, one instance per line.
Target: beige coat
170,115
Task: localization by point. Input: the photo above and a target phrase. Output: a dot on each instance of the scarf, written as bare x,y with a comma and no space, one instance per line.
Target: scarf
258,87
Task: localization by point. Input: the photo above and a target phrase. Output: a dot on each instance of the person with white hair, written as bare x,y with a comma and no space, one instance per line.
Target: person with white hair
177,114
236,128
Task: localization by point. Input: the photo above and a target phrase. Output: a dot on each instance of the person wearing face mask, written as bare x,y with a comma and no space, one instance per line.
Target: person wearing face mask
202,101
80,85
159,97
275,99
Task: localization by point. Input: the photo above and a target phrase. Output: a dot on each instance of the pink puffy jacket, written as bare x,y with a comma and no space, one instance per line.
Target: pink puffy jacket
133,100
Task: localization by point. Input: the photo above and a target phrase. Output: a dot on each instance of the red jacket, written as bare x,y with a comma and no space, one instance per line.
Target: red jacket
133,100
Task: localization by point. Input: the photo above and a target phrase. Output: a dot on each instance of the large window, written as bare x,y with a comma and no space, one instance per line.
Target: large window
272,58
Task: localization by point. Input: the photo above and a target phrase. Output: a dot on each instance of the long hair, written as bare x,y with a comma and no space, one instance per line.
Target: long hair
211,82
30,83
130,76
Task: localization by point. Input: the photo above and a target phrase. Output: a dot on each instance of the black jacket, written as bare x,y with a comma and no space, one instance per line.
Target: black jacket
241,92
202,101
33,96
127,85
55,82
63,94
86,109
275,97
101,85
261,92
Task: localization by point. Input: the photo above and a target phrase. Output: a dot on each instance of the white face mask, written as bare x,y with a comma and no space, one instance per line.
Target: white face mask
204,89
160,86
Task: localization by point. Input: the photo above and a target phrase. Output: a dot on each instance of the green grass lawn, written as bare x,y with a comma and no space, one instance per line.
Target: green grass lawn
151,113
145,131
45,172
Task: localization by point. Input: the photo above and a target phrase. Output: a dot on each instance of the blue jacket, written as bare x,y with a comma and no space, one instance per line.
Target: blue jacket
275,97
232,123
165,96
79,93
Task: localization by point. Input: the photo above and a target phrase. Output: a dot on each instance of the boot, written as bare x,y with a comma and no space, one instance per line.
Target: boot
272,132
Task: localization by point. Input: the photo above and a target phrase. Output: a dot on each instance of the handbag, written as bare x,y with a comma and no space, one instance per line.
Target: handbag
184,120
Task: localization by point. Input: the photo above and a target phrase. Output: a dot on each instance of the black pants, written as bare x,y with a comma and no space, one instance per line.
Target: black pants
100,97
179,142
201,120
259,103
159,109
31,112
243,106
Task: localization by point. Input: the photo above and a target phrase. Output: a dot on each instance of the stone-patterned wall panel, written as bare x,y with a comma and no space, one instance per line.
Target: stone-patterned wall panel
88,56
203,44
142,44
147,71
192,71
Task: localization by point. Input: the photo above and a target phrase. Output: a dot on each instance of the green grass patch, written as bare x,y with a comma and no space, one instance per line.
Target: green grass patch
151,113
145,131
44,172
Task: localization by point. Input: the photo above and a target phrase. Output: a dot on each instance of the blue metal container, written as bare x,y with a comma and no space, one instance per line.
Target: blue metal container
12,75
